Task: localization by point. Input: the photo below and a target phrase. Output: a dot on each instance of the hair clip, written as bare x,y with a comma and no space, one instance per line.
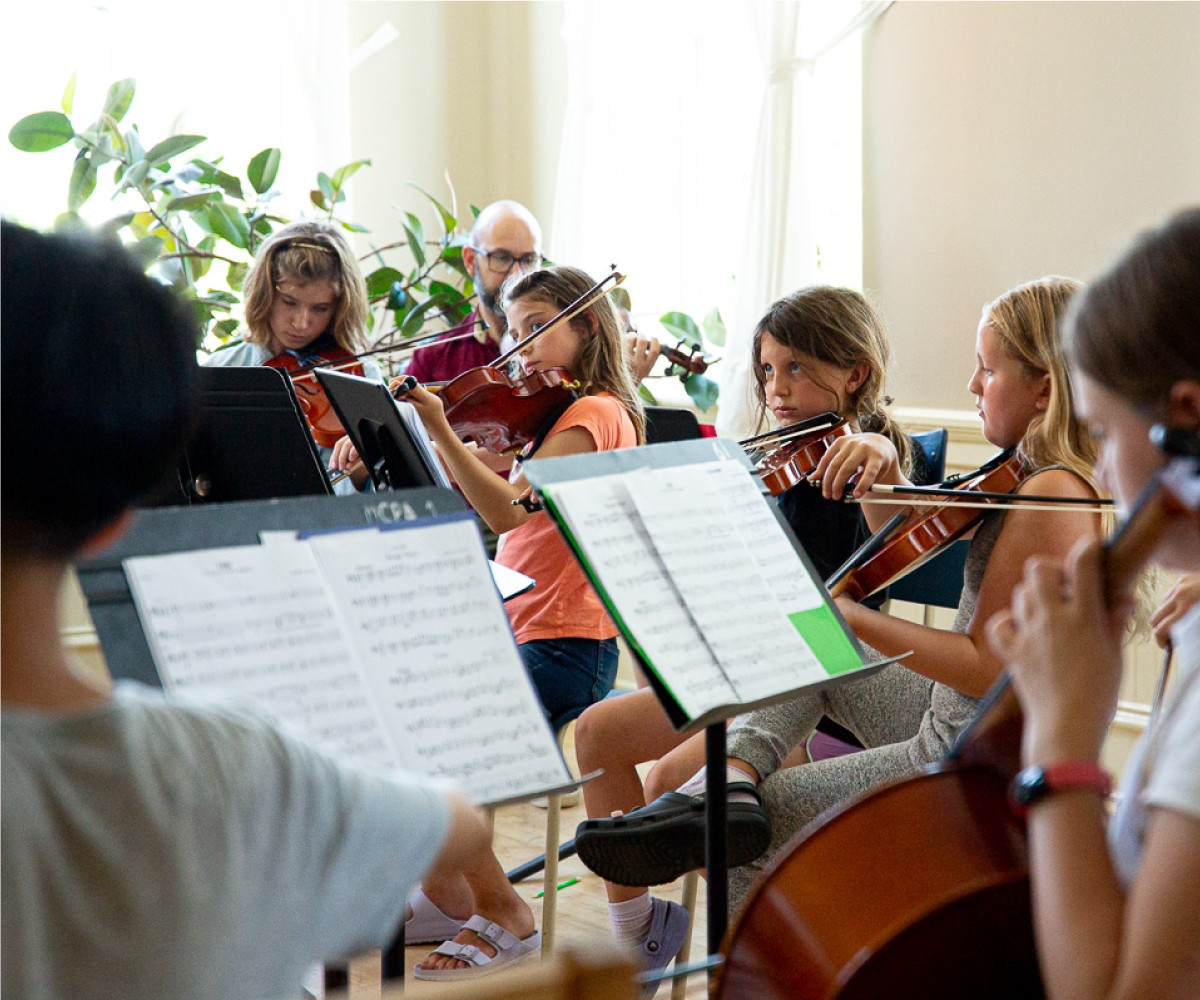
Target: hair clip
305,245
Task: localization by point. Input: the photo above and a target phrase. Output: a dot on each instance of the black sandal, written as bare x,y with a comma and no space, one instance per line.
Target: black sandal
658,843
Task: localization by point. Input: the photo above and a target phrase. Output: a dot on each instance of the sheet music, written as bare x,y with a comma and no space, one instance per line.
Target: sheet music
708,523
390,648
255,622
430,632
669,546
605,523
423,442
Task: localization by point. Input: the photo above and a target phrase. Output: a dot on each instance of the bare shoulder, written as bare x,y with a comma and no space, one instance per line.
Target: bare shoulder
1057,483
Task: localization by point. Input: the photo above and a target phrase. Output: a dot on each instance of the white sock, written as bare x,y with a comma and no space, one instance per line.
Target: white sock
631,919
695,785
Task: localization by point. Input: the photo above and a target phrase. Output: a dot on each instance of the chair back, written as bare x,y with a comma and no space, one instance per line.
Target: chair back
932,445
670,423
938,583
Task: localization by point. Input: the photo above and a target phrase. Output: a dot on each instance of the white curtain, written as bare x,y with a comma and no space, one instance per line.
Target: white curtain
781,243
653,167
704,154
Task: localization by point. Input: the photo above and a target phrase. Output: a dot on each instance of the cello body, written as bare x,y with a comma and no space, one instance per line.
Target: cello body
918,889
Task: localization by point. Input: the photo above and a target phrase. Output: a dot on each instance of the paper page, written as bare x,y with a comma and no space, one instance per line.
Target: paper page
509,582
423,442
605,524
430,632
720,580
255,622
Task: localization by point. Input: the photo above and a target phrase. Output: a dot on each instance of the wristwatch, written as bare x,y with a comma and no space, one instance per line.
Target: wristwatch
1035,783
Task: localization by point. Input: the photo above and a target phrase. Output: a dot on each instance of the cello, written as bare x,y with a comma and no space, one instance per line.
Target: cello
930,873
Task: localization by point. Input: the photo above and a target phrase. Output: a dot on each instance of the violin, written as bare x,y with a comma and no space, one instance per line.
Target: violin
497,410
909,540
690,361
323,422
502,409
920,888
798,451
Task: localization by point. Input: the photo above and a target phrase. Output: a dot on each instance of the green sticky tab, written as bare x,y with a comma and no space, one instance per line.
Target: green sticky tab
826,638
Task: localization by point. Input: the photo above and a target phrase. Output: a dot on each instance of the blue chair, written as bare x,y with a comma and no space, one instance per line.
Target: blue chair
932,446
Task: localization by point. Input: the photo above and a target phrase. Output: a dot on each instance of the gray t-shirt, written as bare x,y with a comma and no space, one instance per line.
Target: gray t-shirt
157,850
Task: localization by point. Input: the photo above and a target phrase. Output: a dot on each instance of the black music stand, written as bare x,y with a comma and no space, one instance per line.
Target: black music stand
384,442
251,443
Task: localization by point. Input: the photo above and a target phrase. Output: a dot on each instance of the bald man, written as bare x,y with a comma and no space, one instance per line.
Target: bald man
505,238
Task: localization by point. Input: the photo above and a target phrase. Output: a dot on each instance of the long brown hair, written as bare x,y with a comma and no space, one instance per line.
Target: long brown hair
837,326
601,366
304,252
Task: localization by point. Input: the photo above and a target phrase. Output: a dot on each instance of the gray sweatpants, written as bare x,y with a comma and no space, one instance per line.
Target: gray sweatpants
905,719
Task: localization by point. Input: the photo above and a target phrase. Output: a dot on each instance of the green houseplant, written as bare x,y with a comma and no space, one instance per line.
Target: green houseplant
196,224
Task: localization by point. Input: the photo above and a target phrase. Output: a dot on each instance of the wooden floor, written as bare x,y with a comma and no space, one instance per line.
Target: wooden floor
582,908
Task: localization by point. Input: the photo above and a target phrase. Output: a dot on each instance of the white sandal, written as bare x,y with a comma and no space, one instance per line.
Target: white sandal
509,949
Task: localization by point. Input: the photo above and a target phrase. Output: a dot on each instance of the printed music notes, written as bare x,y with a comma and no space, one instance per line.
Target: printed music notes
388,647
701,577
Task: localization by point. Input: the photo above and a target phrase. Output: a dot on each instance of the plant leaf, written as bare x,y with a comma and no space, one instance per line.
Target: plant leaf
235,276
68,97
714,328
380,281
326,186
134,176
646,394
416,237
161,152
147,251
682,325
189,202
39,132
621,298
120,97
703,391
83,182
343,174
447,217
228,223
263,169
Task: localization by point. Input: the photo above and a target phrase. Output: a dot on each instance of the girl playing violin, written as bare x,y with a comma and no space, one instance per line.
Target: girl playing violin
566,639
908,715
1119,918
821,349
306,299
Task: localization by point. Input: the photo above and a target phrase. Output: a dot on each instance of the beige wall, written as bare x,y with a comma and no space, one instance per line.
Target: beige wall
474,89
1003,141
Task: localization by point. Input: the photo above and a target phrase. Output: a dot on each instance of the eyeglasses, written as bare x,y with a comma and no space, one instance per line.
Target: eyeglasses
501,261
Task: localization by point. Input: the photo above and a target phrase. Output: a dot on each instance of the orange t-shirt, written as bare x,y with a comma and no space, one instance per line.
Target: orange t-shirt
562,604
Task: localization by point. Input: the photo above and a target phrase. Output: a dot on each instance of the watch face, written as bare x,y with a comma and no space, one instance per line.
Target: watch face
1030,785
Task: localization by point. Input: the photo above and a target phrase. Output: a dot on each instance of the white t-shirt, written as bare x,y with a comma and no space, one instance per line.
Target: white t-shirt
162,851
1164,769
